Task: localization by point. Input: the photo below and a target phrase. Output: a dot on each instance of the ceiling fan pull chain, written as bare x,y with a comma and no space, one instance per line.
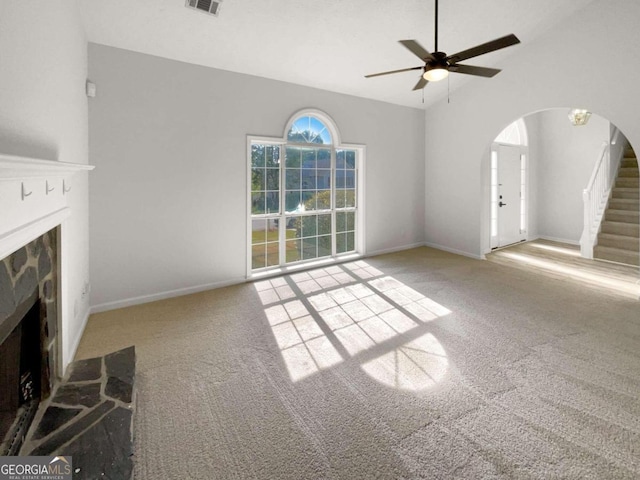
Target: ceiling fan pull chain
448,89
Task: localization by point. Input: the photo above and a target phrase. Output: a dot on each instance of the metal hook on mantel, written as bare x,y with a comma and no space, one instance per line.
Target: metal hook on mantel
25,194
49,189
64,187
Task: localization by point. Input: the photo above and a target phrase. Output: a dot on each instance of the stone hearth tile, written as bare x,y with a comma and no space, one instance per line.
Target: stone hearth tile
120,368
18,260
73,430
111,437
26,285
121,364
53,419
70,394
119,390
84,370
7,302
100,438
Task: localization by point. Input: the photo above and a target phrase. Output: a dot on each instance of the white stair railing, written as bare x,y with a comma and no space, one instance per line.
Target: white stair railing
596,195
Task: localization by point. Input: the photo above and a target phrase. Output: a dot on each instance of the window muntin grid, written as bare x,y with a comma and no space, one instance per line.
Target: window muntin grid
306,191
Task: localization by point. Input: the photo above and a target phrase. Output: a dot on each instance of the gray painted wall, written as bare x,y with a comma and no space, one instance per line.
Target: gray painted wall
168,196
566,156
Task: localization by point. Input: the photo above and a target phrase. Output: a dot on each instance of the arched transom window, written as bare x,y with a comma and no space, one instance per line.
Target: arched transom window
303,197
514,134
308,129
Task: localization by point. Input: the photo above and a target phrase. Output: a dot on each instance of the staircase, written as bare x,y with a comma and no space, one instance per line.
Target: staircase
619,237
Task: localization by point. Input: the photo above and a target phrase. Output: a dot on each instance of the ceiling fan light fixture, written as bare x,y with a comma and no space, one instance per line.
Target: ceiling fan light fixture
436,74
437,64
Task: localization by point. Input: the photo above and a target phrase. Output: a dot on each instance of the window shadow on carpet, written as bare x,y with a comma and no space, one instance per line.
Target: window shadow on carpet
355,313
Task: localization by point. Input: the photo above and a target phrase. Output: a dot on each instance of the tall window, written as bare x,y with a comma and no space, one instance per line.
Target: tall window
303,195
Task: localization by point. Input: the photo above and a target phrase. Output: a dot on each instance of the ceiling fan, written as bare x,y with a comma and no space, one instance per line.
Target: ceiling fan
437,65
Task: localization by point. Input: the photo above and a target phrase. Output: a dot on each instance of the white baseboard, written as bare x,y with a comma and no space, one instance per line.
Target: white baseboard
130,302
559,240
394,249
453,250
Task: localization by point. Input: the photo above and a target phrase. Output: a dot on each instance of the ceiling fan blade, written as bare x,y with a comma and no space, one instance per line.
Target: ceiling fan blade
473,70
421,83
393,71
492,46
417,49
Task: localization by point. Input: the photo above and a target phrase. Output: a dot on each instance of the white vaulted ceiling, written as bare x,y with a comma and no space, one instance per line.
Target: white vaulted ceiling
329,44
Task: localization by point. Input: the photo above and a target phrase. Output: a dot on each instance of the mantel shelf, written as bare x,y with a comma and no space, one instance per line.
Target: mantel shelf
16,168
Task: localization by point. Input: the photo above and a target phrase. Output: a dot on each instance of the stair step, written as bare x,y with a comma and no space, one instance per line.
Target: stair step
625,216
619,241
616,255
629,162
628,182
624,204
632,193
629,153
620,228
628,172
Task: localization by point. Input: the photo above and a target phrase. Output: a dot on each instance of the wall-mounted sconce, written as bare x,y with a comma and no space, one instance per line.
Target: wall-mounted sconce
579,116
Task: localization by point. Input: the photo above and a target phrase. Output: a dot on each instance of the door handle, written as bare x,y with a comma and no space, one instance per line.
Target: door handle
502,204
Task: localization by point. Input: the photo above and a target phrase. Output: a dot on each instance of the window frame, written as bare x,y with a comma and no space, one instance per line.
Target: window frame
359,224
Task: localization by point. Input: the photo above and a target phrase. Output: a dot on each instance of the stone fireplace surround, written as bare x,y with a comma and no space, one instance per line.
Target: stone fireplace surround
35,199
34,208
27,277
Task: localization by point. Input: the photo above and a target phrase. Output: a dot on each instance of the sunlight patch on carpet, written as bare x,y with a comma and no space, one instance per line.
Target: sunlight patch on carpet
344,312
414,366
552,248
574,272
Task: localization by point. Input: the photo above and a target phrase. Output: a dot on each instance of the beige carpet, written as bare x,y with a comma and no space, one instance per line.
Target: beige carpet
419,364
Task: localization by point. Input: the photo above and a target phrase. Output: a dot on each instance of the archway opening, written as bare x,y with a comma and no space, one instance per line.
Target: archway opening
576,193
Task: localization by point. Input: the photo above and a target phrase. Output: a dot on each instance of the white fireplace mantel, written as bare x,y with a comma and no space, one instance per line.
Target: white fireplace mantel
20,168
34,197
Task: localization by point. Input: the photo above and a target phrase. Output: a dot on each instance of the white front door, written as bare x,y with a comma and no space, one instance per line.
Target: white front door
509,182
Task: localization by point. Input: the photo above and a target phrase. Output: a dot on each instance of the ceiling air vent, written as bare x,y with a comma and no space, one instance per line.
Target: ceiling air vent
212,7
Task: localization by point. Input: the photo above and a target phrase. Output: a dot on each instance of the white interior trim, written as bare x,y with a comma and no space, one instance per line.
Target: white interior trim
384,251
14,168
130,302
559,240
20,236
453,250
